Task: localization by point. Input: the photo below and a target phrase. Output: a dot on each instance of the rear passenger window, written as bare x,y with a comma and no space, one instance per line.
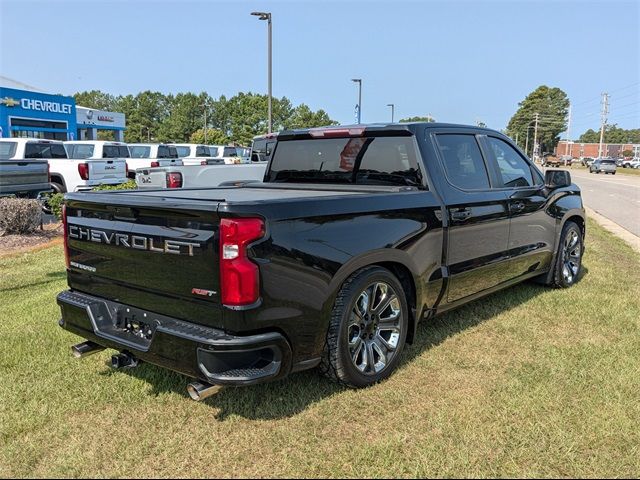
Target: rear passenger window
514,169
463,161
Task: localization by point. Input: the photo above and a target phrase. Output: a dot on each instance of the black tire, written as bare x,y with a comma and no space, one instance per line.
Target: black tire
569,256
339,362
57,188
613,173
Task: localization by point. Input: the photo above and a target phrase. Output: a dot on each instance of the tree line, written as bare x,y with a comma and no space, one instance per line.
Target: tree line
156,117
612,134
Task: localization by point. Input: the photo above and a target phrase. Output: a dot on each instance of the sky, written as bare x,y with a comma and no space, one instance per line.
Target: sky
460,62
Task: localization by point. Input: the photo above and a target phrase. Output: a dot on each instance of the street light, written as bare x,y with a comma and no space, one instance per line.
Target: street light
392,109
267,16
359,82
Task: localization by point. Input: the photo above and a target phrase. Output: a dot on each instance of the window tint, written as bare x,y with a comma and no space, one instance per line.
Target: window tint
173,153
165,152
463,161
366,161
44,150
7,149
514,169
138,151
202,151
214,151
115,151
230,152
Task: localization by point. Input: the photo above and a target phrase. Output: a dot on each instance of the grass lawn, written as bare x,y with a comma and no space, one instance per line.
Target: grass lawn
623,171
526,382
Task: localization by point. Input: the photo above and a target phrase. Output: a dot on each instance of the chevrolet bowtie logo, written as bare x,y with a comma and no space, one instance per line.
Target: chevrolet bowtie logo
9,102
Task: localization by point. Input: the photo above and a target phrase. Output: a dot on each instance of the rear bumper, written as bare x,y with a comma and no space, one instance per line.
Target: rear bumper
208,354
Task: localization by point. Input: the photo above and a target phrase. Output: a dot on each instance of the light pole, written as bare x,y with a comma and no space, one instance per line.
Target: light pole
392,110
267,16
359,82
205,122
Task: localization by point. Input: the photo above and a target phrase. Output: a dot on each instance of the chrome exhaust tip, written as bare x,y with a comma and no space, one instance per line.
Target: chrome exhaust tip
200,391
85,349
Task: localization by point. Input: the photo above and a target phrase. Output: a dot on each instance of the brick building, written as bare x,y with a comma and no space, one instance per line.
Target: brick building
577,149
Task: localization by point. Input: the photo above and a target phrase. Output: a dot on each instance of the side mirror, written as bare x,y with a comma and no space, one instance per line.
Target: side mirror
557,179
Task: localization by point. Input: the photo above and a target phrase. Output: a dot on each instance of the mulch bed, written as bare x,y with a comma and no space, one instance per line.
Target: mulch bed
49,235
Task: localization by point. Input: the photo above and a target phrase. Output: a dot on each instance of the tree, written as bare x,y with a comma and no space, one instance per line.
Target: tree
304,117
214,137
627,153
95,99
428,118
612,134
551,105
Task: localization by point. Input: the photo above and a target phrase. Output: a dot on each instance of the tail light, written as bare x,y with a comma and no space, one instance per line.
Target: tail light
239,279
174,180
203,162
83,170
65,235
336,132
155,164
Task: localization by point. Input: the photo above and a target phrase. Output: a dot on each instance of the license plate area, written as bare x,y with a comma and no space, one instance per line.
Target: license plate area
130,326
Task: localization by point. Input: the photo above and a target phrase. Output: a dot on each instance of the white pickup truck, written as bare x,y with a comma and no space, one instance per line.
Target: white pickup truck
89,164
230,155
151,155
198,176
193,154
24,172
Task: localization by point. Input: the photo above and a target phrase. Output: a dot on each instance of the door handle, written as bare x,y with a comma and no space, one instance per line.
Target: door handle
517,206
461,214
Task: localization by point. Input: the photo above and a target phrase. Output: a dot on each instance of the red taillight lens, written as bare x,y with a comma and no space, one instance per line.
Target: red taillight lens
83,170
174,180
203,162
239,278
65,235
155,164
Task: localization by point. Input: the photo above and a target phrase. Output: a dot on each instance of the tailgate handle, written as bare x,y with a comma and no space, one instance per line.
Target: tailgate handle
109,161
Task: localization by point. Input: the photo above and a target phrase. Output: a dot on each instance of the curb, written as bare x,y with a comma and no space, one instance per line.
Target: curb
632,240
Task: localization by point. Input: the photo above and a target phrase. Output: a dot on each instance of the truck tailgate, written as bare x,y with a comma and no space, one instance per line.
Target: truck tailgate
18,176
107,169
146,256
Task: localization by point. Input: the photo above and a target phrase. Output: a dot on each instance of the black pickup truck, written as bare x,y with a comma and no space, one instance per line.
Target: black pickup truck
355,236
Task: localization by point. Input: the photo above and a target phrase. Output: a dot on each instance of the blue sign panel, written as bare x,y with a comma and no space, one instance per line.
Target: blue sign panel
25,113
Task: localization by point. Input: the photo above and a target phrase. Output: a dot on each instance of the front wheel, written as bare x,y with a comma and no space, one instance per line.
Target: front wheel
367,330
568,257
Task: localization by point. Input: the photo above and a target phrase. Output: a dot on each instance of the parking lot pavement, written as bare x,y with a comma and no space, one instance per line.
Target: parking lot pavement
616,197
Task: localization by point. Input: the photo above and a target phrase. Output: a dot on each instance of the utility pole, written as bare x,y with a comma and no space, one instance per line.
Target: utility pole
359,82
535,138
603,120
205,123
392,105
568,149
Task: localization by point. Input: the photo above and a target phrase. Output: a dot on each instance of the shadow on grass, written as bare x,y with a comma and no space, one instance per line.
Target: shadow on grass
53,277
294,394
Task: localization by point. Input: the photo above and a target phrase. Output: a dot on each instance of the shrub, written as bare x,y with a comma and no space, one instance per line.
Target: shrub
19,215
55,202
128,185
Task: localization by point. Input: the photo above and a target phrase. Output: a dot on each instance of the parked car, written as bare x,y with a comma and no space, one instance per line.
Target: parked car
199,176
606,165
151,155
586,161
353,239
627,162
635,163
24,171
192,153
550,160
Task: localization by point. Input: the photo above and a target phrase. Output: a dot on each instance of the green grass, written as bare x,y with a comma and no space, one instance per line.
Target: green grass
623,171
527,382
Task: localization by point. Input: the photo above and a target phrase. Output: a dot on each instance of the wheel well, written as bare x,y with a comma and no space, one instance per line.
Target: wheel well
579,221
403,274
57,179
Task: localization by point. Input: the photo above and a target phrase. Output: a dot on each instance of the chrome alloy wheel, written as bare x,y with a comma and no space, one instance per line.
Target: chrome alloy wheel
374,328
571,256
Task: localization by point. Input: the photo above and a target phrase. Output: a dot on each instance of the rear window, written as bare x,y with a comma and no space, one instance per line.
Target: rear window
230,152
166,152
463,161
80,151
214,151
183,151
44,150
7,149
115,151
364,161
138,151
202,151
608,162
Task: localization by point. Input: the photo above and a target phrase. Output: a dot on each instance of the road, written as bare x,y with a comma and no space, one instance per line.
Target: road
616,197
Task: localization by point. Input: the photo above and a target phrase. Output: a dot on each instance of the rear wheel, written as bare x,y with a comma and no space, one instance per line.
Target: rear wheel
368,329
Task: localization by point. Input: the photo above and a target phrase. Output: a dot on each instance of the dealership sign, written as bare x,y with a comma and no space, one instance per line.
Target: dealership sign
45,106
